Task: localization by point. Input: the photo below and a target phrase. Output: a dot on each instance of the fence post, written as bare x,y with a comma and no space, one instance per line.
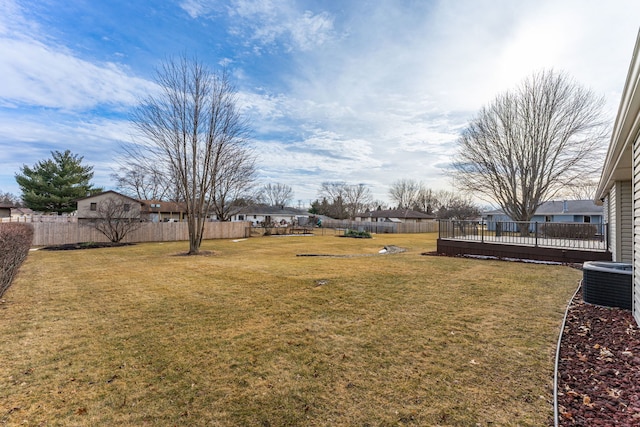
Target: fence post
482,232
535,228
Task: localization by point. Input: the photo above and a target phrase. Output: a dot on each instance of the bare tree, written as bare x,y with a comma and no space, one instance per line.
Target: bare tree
115,218
235,176
426,201
275,194
453,206
142,183
10,199
357,198
344,200
527,144
193,133
581,190
405,192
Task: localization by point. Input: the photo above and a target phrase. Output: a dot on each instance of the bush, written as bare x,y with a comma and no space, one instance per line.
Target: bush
357,234
15,240
568,231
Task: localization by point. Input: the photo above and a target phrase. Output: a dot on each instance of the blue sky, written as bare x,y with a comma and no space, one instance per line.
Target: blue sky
358,91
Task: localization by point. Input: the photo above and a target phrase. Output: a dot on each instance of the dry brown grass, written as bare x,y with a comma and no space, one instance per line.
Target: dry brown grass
247,336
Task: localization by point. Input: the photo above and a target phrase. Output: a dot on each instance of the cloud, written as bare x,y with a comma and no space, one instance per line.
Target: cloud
271,24
38,72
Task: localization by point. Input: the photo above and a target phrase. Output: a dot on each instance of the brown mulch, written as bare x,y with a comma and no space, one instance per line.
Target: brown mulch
84,245
599,367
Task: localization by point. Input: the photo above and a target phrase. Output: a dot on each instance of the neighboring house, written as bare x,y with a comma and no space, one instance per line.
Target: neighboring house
278,215
89,207
5,210
394,215
159,211
21,214
619,187
580,211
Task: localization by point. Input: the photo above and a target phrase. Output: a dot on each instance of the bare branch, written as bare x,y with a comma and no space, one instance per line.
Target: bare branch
527,144
115,218
193,135
274,194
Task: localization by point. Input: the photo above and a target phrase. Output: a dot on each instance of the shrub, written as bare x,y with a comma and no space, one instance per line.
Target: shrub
568,231
357,234
15,240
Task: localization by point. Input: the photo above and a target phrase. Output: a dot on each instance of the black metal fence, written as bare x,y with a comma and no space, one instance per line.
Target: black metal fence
584,236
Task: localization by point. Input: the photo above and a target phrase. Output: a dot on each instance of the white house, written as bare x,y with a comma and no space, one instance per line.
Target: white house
619,187
394,215
277,215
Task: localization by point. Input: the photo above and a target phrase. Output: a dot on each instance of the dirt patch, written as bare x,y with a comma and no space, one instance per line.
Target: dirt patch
387,250
84,245
201,253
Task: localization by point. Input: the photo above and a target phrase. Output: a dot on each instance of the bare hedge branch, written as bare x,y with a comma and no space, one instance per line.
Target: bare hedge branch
15,240
115,218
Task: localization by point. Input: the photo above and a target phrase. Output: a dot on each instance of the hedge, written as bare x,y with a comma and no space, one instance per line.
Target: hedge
15,240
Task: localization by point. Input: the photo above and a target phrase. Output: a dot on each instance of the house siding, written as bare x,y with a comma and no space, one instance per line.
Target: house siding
613,221
634,212
626,225
84,205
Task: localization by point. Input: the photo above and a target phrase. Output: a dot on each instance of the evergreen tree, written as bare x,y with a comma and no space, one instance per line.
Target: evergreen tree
53,185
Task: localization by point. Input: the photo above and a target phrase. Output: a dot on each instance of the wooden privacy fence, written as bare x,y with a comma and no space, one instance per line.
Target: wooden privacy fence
384,227
56,233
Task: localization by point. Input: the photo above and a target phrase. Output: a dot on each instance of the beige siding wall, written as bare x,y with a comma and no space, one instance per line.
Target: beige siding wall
53,233
636,230
84,206
613,219
625,224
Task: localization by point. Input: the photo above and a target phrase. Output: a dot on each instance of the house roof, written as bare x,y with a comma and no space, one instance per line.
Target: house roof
557,207
6,206
172,207
574,207
21,211
107,192
395,213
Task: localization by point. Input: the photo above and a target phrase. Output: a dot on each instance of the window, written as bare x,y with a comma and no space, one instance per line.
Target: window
548,219
126,207
93,207
240,217
587,219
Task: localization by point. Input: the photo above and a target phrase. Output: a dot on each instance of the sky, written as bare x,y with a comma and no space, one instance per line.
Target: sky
361,91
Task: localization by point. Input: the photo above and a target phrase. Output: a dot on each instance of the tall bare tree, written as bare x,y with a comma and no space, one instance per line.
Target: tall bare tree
345,200
528,143
274,194
193,133
357,199
426,201
235,176
456,206
404,192
143,183
581,190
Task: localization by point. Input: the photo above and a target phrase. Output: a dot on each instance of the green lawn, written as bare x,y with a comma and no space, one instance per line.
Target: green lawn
253,335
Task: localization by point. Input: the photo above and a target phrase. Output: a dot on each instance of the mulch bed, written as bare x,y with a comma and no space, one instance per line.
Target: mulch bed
599,367
84,245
